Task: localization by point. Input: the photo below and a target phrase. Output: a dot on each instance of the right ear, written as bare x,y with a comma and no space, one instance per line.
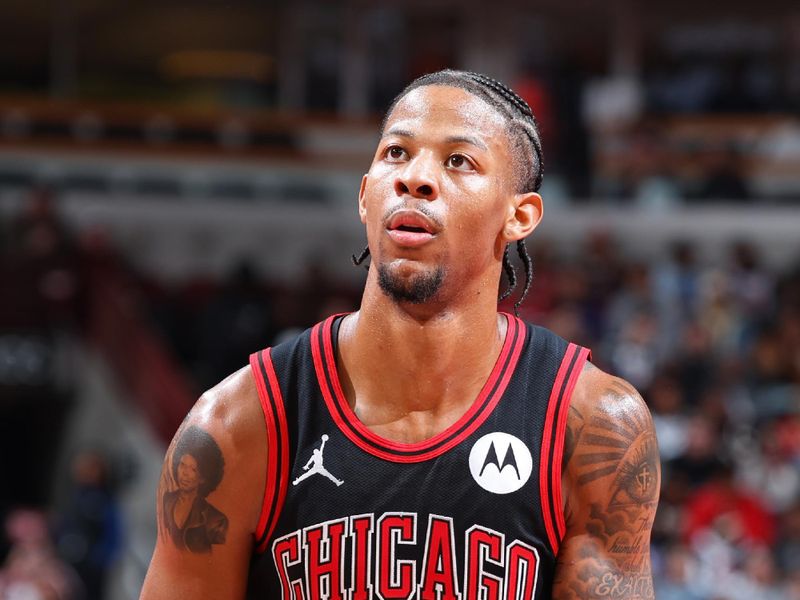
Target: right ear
362,206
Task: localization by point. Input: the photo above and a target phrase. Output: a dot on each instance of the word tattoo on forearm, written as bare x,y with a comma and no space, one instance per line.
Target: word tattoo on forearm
616,585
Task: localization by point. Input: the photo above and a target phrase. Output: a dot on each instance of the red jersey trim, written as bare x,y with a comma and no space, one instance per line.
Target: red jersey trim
269,394
561,430
325,365
553,443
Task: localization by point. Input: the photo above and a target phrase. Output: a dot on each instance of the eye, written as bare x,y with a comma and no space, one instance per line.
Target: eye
459,162
395,153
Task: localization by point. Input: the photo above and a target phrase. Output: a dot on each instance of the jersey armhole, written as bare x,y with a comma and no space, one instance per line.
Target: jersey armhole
552,451
271,399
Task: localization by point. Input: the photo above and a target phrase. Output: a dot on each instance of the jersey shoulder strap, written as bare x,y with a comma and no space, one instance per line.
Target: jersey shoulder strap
277,371
564,362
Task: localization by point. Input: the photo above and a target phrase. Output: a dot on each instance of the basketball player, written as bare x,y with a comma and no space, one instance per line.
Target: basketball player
428,446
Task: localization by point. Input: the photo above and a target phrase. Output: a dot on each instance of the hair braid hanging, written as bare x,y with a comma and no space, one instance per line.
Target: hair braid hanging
357,260
511,273
522,250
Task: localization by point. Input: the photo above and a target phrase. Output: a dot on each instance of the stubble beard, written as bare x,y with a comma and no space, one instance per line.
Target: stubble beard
417,289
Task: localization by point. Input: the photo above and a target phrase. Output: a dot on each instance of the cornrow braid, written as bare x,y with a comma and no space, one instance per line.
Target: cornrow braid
511,273
522,128
357,260
504,91
524,108
522,250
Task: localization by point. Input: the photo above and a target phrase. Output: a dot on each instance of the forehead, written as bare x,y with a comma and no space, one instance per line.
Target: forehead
435,107
188,459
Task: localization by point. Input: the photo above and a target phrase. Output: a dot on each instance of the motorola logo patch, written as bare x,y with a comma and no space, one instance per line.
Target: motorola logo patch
500,463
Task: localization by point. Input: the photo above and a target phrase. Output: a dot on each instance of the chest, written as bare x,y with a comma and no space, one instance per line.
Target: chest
466,521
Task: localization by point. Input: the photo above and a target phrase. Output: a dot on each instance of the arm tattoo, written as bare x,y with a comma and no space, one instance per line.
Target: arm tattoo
575,424
618,451
193,469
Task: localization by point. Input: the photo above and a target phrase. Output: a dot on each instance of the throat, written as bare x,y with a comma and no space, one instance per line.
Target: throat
407,389
412,427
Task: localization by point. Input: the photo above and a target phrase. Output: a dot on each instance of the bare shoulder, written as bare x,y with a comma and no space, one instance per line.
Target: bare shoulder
230,415
607,419
232,405
611,482
209,496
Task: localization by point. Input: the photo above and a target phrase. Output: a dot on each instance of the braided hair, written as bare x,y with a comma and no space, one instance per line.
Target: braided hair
526,150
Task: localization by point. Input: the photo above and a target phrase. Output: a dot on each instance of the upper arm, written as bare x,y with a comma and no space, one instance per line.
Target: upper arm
208,556
611,481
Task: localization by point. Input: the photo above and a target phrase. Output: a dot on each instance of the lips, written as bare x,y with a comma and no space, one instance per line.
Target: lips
411,220
411,229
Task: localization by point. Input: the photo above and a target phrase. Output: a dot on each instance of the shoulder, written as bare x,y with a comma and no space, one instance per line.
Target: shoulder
225,436
610,439
602,399
231,412
226,432
611,482
233,398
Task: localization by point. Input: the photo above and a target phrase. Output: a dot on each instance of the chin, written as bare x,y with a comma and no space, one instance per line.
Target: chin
414,285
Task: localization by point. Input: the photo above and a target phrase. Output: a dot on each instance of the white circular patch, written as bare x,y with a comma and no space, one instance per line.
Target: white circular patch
500,463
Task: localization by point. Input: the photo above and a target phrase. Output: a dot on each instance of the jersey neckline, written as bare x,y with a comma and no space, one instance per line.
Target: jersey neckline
323,347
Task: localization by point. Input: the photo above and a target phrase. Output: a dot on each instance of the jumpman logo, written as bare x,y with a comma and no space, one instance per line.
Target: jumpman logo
314,465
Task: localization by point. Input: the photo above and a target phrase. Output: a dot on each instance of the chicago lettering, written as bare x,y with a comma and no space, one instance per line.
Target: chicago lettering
361,557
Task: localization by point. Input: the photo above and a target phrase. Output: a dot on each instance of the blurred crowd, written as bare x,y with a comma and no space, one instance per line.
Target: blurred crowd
60,532
714,348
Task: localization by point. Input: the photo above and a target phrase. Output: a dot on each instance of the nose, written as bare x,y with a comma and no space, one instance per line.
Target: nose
418,179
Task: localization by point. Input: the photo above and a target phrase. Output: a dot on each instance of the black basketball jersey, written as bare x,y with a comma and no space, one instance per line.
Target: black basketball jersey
472,513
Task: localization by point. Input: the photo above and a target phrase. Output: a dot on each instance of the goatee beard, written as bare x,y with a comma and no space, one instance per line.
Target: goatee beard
416,290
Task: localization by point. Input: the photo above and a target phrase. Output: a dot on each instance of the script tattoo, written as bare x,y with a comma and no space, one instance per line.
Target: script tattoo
613,457
193,469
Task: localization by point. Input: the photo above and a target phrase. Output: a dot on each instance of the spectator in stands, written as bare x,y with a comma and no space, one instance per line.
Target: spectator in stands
667,407
768,472
237,320
32,570
725,177
700,462
787,548
678,578
89,534
722,507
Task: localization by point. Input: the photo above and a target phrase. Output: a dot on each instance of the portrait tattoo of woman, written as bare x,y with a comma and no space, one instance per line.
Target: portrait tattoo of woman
196,469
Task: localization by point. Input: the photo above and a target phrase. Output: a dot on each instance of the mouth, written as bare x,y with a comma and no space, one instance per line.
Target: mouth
411,229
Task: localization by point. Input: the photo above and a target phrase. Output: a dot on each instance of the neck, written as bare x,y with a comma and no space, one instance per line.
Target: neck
187,495
401,359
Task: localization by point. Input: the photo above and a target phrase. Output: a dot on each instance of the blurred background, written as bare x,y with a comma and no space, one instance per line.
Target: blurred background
178,183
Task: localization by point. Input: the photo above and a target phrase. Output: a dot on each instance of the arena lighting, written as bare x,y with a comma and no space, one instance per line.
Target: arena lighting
217,64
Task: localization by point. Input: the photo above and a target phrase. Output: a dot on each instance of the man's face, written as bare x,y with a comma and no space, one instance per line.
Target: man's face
438,193
188,474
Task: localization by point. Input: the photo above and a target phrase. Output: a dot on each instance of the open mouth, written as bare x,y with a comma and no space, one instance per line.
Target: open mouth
411,228
411,221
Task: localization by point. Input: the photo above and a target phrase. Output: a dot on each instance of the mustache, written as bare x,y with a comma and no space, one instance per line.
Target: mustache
421,208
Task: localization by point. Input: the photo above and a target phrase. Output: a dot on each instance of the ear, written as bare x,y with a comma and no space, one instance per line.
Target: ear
524,215
362,206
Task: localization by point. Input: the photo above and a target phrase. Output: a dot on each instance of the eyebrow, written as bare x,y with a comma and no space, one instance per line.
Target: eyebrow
400,132
453,139
466,139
